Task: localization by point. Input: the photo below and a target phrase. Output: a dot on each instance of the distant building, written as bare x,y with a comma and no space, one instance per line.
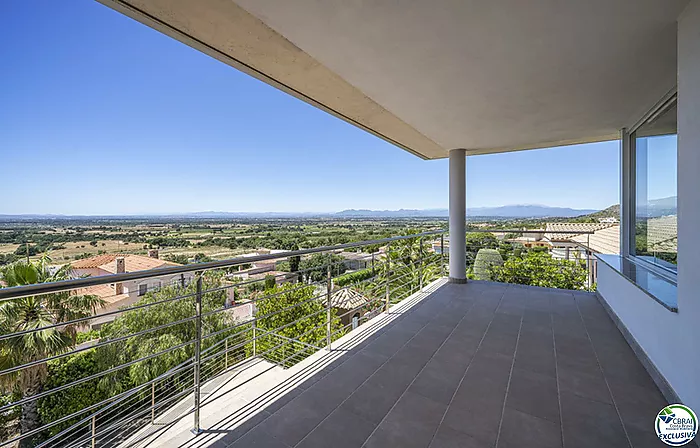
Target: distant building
559,237
441,247
603,241
263,265
356,260
122,294
662,234
350,306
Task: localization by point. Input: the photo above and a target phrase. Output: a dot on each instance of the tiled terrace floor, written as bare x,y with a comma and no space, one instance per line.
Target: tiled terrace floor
475,365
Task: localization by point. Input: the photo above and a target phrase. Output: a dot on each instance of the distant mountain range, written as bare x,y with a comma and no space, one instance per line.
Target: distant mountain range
611,212
507,211
662,207
528,211
655,208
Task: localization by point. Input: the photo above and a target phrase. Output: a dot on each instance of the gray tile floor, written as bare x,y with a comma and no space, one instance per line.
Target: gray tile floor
476,365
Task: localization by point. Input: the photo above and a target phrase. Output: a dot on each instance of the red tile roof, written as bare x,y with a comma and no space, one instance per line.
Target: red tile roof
132,263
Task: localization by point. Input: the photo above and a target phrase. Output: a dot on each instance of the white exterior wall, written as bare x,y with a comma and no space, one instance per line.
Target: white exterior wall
658,331
131,288
687,365
671,340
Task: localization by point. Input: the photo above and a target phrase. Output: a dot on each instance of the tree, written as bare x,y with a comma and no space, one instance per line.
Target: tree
178,258
294,263
538,268
409,265
270,282
7,259
65,371
201,258
485,262
315,268
34,313
479,240
295,260
173,342
288,312
151,342
354,277
30,250
405,265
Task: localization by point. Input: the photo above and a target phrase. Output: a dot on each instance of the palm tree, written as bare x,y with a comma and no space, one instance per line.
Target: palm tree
409,263
35,313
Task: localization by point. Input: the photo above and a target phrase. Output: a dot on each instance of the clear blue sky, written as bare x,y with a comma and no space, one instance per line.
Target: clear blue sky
102,115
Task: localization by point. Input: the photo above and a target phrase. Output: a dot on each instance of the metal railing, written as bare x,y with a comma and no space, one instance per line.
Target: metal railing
155,354
564,263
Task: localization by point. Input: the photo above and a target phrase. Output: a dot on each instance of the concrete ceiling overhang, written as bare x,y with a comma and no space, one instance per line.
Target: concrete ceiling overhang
429,76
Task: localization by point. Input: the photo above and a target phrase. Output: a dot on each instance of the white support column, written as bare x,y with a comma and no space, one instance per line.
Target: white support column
684,366
458,213
627,201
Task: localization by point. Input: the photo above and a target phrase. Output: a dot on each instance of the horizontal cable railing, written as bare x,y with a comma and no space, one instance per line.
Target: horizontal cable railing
151,352
153,348
544,258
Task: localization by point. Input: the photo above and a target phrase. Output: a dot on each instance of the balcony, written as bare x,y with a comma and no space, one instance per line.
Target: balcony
407,360
481,364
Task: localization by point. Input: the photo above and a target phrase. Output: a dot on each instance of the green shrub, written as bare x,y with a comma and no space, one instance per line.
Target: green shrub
64,371
485,262
353,278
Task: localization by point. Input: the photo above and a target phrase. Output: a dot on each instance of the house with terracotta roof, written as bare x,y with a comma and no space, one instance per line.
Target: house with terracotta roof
559,236
117,295
352,306
567,245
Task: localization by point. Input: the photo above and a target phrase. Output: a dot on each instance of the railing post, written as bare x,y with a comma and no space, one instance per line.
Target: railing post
255,336
329,287
388,275
420,264
197,353
93,432
153,403
442,255
589,262
226,354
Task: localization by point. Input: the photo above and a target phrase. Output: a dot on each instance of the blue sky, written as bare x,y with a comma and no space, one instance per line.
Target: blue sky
102,115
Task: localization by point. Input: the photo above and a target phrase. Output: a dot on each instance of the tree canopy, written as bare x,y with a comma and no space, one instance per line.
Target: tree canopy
291,313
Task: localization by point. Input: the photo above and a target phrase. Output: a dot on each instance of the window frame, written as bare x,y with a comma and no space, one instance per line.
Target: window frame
628,209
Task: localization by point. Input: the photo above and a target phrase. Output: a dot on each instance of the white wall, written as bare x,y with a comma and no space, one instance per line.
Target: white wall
672,341
656,329
689,204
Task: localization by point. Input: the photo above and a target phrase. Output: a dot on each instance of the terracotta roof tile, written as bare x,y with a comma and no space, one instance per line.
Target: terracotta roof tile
132,263
604,241
553,230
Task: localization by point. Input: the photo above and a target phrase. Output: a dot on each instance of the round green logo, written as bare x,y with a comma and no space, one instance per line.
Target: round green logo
676,425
